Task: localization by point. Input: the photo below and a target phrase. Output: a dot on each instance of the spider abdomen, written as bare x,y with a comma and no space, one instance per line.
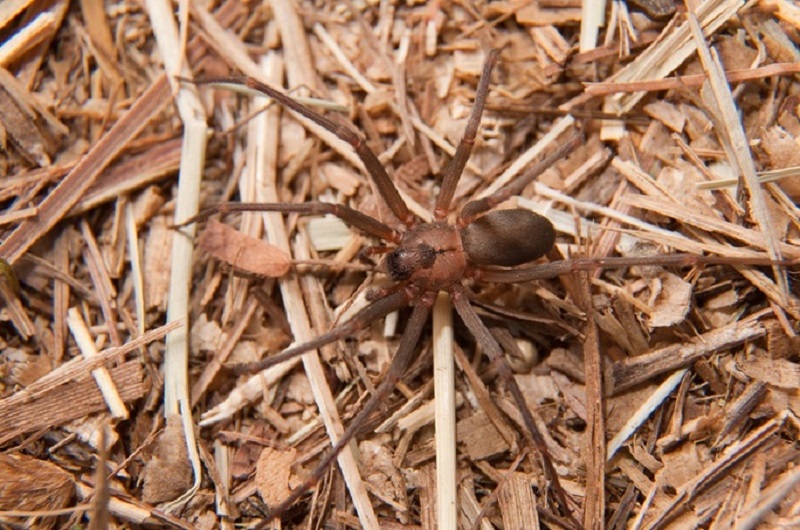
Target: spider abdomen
508,238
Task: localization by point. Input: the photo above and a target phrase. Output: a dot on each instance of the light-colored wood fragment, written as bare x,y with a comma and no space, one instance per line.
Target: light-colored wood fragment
33,34
445,424
133,511
667,114
104,382
471,512
12,8
518,503
157,262
480,437
426,480
593,16
636,476
23,413
98,28
777,372
273,473
534,15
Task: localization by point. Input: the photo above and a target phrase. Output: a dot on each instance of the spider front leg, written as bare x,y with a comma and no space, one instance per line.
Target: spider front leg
400,362
386,188
354,218
452,173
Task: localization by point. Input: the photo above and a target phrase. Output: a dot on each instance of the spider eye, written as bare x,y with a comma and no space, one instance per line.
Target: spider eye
404,261
508,238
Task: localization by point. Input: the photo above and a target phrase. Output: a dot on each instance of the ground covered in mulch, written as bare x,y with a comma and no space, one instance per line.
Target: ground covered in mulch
667,394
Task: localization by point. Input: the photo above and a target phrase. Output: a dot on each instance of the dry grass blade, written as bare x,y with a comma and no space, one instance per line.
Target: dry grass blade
72,187
735,141
445,414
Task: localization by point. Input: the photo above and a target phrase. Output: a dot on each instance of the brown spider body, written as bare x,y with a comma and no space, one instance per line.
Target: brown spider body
430,256
427,258
434,256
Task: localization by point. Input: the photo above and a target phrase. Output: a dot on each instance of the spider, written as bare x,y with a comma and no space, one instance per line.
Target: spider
481,245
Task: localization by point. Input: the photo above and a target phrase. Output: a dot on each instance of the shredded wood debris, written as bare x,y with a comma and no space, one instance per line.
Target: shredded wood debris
666,395
243,252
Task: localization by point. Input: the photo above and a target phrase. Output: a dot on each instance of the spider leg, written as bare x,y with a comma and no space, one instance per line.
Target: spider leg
541,271
351,217
395,372
484,337
374,168
455,168
377,309
473,209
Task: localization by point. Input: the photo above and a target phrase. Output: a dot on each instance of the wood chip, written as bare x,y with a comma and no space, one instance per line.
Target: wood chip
20,414
274,474
28,484
243,252
518,503
481,437
167,473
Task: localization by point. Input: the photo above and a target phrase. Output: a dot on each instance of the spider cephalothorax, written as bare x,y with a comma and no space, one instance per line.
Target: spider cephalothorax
430,256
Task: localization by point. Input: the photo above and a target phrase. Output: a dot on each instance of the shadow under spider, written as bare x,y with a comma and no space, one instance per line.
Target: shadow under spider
428,257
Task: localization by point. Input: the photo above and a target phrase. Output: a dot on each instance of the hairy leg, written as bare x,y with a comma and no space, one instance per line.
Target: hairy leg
455,168
400,362
354,218
498,360
377,309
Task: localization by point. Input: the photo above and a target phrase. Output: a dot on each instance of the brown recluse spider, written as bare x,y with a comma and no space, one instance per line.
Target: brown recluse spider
483,245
